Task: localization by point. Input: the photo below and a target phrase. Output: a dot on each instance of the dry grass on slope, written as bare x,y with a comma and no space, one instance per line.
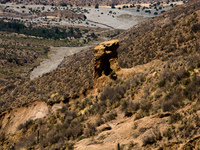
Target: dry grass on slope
68,82
168,35
158,40
168,88
154,106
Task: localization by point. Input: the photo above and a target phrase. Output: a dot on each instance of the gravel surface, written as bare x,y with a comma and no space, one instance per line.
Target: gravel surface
56,56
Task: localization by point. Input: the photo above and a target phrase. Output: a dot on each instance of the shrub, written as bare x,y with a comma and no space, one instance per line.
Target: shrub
128,113
99,121
139,115
142,130
162,83
171,101
26,125
182,73
10,60
32,89
111,116
89,130
149,140
168,133
124,105
175,117
97,6
188,130
76,129
196,27
63,109
145,106
113,94
130,107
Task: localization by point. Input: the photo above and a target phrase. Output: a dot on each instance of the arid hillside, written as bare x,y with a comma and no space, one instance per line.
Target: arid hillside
163,37
150,101
78,2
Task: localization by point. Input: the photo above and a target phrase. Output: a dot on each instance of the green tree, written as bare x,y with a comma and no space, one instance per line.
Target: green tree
113,6
97,6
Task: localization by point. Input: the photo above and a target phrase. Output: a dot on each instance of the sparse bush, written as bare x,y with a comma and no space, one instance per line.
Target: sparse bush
63,109
196,27
111,116
130,107
148,140
181,73
124,105
32,89
139,115
97,6
175,117
172,101
99,121
89,130
26,125
168,133
145,106
128,113
113,94
27,142
142,130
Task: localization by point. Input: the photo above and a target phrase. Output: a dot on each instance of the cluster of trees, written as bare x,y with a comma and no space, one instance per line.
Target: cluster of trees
45,32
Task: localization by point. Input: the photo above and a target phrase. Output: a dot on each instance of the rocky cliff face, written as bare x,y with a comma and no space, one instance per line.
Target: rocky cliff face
106,60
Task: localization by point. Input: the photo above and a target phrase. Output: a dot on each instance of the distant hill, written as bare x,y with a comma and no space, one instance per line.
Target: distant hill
79,2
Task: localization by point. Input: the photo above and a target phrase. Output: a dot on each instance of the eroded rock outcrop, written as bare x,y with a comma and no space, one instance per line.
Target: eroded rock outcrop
106,60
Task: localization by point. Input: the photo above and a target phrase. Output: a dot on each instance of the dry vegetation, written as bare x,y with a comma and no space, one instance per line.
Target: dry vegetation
78,2
164,37
162,88
17,51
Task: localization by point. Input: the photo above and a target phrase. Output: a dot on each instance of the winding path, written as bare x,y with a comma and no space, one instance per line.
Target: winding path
56,56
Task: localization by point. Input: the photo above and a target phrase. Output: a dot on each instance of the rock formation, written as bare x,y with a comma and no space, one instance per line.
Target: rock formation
106,60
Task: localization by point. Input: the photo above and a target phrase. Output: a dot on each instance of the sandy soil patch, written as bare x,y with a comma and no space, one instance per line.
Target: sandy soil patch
11,121
38,109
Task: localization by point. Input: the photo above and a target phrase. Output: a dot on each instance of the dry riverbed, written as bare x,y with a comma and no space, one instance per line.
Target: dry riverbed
55,57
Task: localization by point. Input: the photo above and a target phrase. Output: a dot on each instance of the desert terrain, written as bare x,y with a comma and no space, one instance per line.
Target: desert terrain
115,78
103,17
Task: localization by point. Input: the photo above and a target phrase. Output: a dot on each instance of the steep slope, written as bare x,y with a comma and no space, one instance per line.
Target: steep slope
153,104
162,37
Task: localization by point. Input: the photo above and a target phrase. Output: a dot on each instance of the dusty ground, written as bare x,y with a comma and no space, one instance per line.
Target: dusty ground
38,109
12,120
